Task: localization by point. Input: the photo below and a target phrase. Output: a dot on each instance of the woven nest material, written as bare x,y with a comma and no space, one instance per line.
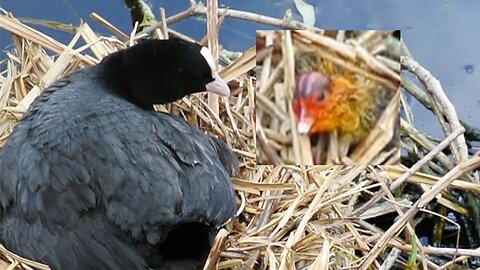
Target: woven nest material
289,217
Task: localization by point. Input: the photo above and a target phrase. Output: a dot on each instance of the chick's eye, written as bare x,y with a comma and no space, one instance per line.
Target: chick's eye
320,95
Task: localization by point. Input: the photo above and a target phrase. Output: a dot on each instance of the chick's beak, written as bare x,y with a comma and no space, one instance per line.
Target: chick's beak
305,120
304,126
218,86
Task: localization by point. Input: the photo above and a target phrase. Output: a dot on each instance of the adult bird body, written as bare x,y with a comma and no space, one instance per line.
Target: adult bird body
93,178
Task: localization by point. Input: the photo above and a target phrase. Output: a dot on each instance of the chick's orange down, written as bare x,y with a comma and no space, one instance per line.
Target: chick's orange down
327,99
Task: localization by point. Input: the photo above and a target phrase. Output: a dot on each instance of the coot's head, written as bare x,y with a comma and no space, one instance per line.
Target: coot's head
162,71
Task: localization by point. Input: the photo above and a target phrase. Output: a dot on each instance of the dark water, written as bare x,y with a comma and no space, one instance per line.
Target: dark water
442,35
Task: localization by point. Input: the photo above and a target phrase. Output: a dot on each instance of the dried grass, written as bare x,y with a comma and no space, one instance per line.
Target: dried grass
289,217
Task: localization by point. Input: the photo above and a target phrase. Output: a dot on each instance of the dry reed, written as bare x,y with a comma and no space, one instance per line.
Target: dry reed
289,217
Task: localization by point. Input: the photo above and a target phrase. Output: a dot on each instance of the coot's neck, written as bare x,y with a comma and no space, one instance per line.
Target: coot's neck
114,75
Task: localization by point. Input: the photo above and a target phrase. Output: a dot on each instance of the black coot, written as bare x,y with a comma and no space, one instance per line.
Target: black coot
93,178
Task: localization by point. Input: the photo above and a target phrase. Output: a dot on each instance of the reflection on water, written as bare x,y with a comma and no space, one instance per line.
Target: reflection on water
440,34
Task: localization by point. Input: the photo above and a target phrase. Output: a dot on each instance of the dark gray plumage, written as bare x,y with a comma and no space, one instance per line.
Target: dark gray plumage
92,179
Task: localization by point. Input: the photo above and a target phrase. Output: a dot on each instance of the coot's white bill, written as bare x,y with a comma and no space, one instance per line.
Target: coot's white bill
218,86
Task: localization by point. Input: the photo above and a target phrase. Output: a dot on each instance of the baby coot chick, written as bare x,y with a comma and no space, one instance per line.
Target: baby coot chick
328,98
93,178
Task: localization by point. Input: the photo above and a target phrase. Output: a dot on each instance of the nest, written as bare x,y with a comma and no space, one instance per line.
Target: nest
289,216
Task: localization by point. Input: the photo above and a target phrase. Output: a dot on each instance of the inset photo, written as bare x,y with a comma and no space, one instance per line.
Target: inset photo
330,97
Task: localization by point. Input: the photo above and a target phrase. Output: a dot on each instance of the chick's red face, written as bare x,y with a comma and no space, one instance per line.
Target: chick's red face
311,89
